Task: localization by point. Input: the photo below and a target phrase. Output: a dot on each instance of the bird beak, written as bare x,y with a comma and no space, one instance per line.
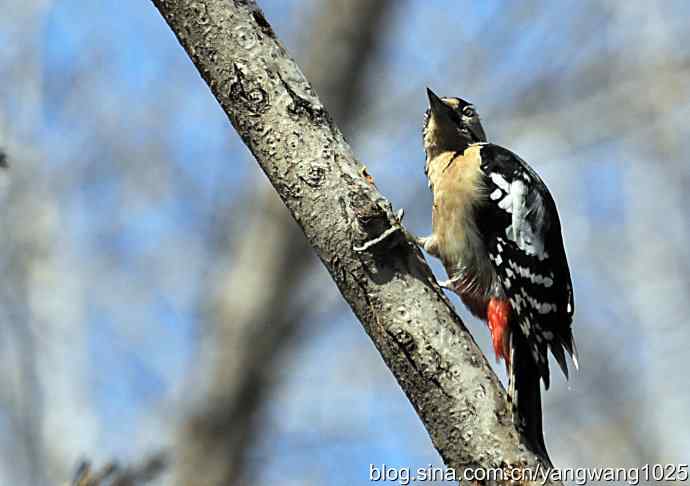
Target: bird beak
440,111
435,103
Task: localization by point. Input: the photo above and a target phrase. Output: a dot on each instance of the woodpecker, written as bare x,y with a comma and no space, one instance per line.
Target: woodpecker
496,229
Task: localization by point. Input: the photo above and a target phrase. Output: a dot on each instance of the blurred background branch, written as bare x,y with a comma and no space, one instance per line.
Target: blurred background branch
113,474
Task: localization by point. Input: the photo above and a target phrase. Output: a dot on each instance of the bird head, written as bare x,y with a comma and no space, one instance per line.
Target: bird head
450,124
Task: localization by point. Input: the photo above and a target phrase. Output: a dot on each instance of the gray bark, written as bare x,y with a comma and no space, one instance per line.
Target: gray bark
249,307
389,287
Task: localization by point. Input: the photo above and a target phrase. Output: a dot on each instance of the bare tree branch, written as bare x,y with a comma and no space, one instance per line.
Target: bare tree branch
112,474
391,290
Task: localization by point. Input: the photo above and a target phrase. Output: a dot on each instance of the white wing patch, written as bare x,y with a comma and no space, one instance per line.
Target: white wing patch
500,181
520,231
517,195
503,187
506,204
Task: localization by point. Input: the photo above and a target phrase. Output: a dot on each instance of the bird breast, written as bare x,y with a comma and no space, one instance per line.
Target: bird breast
456,183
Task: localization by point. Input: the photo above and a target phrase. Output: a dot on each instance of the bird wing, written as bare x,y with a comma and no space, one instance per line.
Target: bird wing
520,224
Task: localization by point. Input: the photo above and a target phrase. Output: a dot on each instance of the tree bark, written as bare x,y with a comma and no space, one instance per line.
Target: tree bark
388,286
250,307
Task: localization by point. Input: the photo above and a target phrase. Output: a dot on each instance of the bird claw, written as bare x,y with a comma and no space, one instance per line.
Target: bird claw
448,284
400,214
379,239
397,226
418,240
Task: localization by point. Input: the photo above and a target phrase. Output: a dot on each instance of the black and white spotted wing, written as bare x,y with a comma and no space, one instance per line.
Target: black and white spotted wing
520,224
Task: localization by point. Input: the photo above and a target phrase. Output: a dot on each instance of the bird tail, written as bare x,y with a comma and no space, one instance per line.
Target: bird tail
524,393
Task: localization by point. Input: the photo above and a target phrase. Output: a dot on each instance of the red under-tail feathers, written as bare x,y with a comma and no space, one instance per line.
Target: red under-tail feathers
498,313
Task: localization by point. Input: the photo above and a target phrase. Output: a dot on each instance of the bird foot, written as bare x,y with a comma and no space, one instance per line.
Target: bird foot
449,284
396,227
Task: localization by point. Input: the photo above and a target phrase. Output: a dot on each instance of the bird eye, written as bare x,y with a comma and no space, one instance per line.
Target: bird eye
468,111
